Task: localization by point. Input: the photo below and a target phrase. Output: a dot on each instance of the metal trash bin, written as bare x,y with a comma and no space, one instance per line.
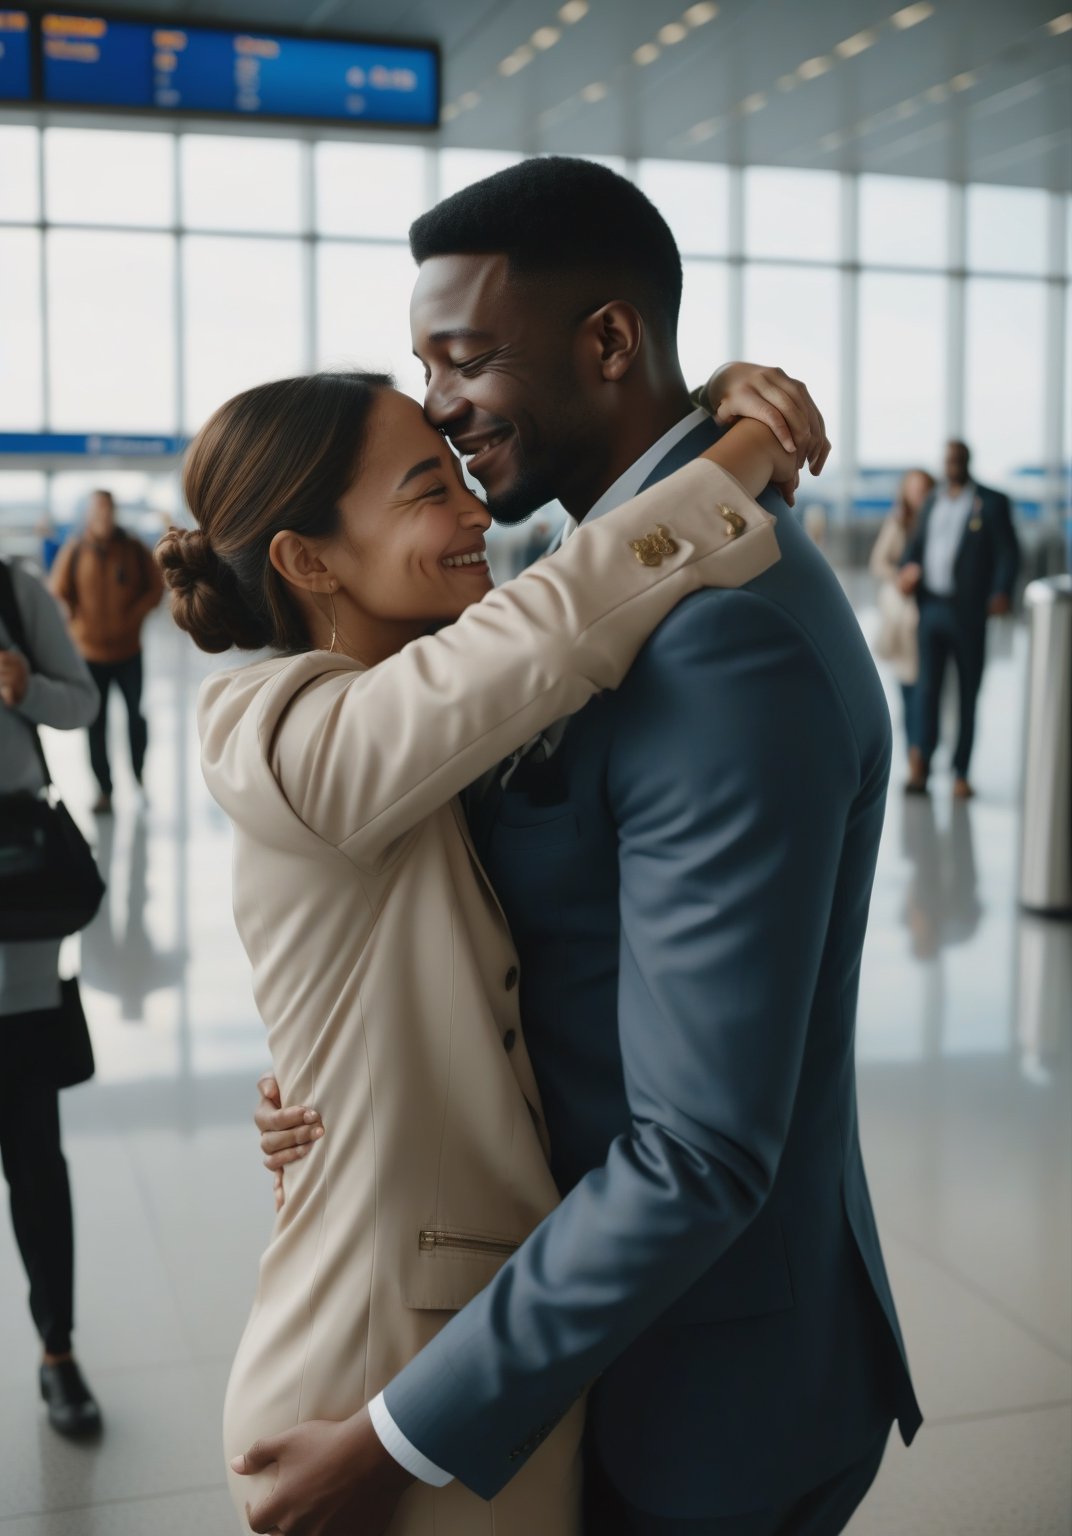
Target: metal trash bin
1046,790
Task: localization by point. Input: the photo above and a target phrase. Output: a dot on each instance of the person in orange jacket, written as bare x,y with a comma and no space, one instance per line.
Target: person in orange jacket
109,584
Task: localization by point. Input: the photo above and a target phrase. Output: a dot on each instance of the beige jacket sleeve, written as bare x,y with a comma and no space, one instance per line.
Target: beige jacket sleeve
364,756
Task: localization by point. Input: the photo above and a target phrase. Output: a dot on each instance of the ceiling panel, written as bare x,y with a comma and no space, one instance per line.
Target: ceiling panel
976,90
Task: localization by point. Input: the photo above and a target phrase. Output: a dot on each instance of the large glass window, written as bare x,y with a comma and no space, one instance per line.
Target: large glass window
795,214
694,201
363,311
18,173
239,183
292,253
458,168
95,176
111,331
21,400
135,492
369,189
1004,380
904,221
1007,229
243,318
901,394
791,319
703,331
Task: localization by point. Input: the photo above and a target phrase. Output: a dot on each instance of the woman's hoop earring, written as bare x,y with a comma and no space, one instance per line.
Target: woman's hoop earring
334,624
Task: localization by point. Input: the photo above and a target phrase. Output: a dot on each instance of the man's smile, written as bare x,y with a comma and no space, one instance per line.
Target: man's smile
477,449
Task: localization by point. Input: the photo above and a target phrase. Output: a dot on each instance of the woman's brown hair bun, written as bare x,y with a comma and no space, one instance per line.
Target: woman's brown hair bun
205,600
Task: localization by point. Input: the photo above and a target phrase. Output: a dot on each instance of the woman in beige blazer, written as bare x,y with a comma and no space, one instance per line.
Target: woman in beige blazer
382,964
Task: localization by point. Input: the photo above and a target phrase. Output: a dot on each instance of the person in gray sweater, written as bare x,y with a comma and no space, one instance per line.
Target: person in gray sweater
56,689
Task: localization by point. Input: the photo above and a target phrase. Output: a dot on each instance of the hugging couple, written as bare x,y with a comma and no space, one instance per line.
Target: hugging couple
555,896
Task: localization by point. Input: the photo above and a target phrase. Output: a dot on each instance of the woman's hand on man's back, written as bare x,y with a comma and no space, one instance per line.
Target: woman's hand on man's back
286,1134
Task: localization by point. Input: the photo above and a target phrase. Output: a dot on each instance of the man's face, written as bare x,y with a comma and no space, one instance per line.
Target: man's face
502,381
100,516
956,464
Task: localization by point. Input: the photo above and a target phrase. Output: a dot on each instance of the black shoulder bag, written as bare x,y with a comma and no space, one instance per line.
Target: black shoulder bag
49,883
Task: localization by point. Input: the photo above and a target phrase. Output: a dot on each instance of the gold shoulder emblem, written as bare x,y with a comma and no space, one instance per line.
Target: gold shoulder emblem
734,522
651,549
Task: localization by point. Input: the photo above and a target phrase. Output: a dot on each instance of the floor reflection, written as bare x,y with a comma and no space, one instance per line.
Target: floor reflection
942,905
118,954
1043,997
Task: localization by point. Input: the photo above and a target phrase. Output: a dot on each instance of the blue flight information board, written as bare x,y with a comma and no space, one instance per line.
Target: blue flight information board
95,61
15,79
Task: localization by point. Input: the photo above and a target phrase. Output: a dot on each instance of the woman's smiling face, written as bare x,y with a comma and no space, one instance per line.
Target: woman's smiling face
409,547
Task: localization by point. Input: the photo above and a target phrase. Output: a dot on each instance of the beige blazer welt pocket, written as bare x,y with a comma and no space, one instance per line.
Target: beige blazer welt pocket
446,1267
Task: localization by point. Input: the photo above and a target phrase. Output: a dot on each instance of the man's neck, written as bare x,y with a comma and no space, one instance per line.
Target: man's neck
634,438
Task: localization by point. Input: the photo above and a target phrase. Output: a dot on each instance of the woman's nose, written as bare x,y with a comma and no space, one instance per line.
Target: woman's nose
475,513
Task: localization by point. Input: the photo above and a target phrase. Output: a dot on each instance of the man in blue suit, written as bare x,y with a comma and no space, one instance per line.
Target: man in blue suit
962,566
687,870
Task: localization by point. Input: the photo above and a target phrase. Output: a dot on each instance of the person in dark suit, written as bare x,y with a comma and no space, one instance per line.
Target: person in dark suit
686,867
962,565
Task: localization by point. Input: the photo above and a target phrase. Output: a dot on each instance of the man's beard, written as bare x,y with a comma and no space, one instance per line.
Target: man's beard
519,501
526,495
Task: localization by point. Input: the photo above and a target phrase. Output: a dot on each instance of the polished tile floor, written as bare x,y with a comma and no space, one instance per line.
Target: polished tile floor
966,1087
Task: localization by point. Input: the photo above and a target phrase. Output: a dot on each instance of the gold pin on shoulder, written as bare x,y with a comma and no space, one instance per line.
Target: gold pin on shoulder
651,549
735,523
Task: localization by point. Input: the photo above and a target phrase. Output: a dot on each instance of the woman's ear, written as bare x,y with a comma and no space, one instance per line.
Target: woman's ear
615,332
298,564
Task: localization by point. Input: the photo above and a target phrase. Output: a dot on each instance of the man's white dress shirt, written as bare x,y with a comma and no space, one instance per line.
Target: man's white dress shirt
624,489
945,529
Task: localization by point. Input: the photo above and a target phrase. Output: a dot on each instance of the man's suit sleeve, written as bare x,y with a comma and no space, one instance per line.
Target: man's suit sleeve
1007,563
731,775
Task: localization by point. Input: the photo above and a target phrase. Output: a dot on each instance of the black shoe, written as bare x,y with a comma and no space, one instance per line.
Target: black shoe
72,1408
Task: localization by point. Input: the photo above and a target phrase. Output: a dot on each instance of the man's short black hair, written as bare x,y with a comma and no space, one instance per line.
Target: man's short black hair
556,214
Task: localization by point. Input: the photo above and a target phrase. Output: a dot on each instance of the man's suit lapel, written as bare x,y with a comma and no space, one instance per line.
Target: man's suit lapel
972,528
483,801
689,448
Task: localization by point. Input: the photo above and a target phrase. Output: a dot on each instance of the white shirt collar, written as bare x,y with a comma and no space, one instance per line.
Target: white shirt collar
628,484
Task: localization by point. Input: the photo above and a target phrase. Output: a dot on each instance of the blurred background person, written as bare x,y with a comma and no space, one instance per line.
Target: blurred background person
961,563
51,537
42,682
109,584
897,641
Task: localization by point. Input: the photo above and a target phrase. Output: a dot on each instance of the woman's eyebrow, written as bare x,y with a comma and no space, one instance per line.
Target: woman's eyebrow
419,469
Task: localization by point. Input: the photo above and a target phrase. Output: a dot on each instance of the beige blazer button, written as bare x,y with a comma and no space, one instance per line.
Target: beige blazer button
511,978
509,1039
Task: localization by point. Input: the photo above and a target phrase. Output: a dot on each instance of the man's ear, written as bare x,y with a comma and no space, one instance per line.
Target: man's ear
615,332
298,564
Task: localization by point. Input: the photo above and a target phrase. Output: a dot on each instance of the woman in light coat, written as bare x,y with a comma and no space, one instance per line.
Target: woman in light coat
383,966
897,641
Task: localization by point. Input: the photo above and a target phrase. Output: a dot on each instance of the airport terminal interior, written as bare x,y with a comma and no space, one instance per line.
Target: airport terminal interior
878,200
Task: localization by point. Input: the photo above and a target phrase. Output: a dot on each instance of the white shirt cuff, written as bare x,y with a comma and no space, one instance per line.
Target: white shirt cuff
407,1455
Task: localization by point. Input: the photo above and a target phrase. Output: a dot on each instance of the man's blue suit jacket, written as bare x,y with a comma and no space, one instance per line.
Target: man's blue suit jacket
687,880
988,556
